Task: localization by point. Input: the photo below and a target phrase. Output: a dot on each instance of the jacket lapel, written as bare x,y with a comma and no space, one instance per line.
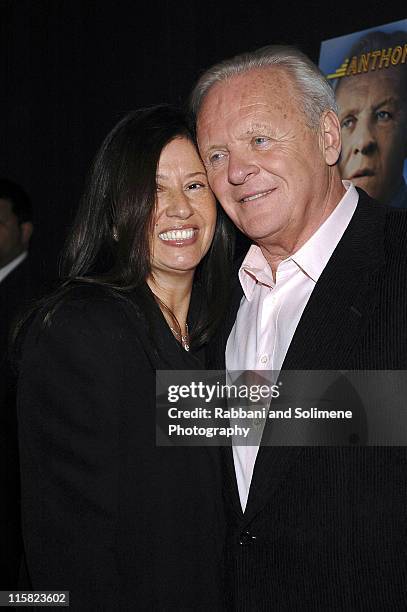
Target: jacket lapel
343,298
329,329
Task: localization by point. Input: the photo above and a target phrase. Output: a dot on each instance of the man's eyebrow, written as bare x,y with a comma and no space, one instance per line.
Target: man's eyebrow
388,100
258,126
355,109
346,110
214,147
248,132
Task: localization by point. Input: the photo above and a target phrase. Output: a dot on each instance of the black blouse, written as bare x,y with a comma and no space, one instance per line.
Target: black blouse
121,523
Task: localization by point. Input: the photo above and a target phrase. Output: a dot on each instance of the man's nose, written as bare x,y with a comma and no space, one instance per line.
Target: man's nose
179,206
240,169
364,139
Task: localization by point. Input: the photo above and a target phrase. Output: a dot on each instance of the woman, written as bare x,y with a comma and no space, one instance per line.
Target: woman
119,522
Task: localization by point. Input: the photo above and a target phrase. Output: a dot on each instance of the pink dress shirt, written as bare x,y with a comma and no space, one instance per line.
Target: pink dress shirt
269,311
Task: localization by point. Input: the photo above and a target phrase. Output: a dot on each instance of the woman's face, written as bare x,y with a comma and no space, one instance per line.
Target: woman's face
185,214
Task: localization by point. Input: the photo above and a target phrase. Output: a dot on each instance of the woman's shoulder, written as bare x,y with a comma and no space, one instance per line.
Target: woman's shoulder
84,310
75,302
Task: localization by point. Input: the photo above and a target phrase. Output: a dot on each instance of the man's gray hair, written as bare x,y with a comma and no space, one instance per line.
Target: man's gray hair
314,91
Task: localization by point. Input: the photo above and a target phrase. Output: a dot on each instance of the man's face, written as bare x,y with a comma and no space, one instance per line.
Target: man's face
264,164
373,122
11,237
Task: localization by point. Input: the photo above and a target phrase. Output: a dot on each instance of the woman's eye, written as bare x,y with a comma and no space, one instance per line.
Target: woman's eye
194,186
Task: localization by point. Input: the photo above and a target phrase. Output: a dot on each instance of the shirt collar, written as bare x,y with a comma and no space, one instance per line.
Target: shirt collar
254,269
5,270
312,257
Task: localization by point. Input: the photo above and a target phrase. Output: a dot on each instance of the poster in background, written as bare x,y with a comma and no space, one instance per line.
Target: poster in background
368,70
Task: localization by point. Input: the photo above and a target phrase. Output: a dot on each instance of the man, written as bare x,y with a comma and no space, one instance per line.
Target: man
373,115
16,228
16,287
322,287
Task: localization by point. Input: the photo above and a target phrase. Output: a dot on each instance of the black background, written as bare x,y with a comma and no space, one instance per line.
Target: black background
70,69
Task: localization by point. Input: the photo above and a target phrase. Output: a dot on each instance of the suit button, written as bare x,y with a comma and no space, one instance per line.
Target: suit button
246,538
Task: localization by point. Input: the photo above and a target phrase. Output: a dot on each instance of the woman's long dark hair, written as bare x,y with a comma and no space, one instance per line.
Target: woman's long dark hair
109,242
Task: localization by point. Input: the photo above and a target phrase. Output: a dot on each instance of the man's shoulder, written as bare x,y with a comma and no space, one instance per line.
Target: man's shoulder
391,222
396,221
376,237
395,231
376,207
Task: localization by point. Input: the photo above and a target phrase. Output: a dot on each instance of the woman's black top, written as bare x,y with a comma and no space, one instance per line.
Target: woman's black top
119,522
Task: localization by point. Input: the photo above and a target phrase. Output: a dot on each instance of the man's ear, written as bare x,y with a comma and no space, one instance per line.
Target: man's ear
330,137
26,230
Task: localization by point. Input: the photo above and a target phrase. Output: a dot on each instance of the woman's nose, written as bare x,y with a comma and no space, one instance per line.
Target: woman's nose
179,206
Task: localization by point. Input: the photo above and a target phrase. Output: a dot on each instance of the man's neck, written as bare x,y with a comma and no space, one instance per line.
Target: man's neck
283,247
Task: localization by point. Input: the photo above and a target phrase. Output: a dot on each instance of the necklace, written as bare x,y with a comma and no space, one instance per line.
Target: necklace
184,339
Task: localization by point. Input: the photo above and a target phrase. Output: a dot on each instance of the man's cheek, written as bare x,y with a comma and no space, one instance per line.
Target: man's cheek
218,186
342,163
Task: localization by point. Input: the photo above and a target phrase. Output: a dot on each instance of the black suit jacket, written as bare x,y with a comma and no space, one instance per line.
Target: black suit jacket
16,292
325,528
119,522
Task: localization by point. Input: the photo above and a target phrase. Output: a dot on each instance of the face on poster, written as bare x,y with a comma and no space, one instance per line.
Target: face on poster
368,71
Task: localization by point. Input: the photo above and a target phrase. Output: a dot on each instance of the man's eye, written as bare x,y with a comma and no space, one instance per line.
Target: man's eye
383,115
260,140
216,157
348,122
